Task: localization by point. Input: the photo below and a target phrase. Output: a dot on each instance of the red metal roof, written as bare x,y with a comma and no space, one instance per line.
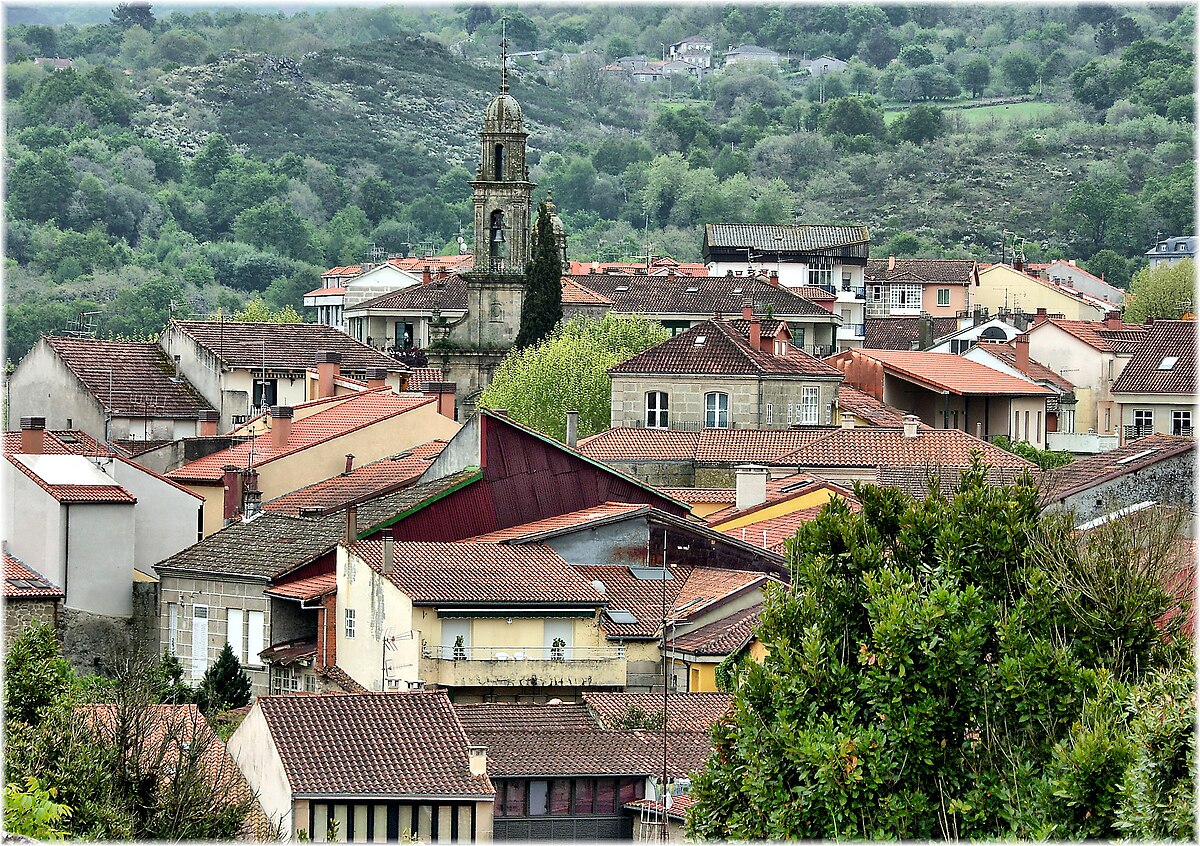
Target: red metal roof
357,412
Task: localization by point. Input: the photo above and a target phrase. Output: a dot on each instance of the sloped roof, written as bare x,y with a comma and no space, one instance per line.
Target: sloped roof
273,544
129,378
813,294
946,479
22,582
1097,334
448,293
574,293
309,587
1007,352
953,373
71,479
694,495
865,407
355,413
793,237
771,534
1092,470
697,712
289,346
951,271
778,490
690,590
480,573
497,716
628,443
1151,369
723,637
604,513
716,346
372,744
376,478
900,333
662,295
422,376
880,447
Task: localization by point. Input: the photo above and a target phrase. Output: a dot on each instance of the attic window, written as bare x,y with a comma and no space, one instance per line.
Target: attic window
700,340
621,617
1168,362
738,290
693,290
651,574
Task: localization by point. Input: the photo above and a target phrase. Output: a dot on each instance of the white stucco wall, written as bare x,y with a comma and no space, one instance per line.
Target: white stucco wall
42,386
378,605
99,546
253,749
166,519
33,524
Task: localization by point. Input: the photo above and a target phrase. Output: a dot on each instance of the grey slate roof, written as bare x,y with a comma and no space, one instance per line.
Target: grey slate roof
273,544
447,293
678,294
794,237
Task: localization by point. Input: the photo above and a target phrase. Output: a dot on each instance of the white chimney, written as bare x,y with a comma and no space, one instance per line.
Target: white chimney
848,419
910,425
751,486
477,756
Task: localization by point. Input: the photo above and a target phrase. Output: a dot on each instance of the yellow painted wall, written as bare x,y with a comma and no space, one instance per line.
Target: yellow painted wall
1001,286
703,509
778,509
702,678
325,460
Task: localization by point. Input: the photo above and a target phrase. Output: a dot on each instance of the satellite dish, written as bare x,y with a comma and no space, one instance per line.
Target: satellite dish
599,586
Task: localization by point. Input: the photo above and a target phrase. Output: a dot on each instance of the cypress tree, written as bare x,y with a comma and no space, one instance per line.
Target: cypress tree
541,308
225,684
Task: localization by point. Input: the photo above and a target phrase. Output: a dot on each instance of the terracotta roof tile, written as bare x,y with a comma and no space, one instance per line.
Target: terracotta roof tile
723,637
309,587
433,573
129,378
22,582
660,266
448,293
372,744
460,262
779,490
752,445
574,293
947,479
813,293
1165,363
866,408
946,371
704,295
359,411
626,443
901,333
681,803
694,495
1096,334
567,716
716,346
422,376
689,591
796,237
1007,352
954,271
373,479
289,346
1091,470
87,483
686,712
879,447
273,544
603,513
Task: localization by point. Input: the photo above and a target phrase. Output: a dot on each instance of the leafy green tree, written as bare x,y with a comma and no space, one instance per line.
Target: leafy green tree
879,47
1109,266
1163,292
143,311
241,186
916,55
1092,85
1043,458
541,306
922,680
133,14
273,225
255,311
919,124
905,244
30,810
853,116
376,198
41,185
1169,197
166,681
1020,69
1099,209
568,371
35,674
225,684
975,74
214,157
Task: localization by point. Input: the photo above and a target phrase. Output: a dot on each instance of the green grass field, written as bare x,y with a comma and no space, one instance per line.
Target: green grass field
985,114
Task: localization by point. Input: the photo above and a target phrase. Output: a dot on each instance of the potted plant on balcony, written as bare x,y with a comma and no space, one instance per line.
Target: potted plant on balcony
558,649
460,649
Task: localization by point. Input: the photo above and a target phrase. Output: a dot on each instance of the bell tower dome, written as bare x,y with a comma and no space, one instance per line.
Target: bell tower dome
501,189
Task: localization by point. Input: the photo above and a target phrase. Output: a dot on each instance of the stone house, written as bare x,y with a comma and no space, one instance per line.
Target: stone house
28,599
722,374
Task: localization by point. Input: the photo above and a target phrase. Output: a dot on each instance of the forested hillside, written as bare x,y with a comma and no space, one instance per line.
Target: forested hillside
190,160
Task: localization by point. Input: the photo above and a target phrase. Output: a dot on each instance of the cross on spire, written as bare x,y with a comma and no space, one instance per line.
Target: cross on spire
503,54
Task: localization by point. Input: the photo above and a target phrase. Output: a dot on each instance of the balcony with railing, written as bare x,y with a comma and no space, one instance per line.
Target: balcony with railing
499,666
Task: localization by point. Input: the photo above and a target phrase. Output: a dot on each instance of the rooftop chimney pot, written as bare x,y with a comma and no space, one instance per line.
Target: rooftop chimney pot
911,421
849,421
281,426
572,429
751,486
33,435
891,263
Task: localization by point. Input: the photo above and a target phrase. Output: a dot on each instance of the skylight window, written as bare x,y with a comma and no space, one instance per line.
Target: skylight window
738,290
700,339
622,287
693,290
1168,362
1137,455
651,574
621,617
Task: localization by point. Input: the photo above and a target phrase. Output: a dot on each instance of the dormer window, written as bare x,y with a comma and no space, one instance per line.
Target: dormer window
780,348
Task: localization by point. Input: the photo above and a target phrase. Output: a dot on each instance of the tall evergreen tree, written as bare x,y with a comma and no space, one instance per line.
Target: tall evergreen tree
541,309
225,684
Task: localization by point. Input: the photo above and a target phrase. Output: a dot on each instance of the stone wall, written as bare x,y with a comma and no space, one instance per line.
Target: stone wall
470,371
1171,481
663,474
19,614
755,403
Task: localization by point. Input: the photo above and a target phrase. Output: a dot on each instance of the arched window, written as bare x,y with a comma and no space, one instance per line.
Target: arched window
716,410
496,235
498,163
656,410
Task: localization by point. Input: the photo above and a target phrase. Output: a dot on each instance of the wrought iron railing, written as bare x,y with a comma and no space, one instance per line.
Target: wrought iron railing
524,653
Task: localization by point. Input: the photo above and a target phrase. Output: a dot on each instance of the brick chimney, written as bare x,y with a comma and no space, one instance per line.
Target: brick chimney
1022,359
1040,317
329,367
426,275
747,309
281,426
208,420
1112,320
351,525
751,486
773,277
911,421
756,334
33,435
232,481
349,464
1019,265
891,263
376,377
445,391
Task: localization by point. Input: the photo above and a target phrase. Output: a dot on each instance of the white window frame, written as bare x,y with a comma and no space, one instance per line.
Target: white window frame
820,271
781,349
172,626
234,633
810,405
350,622
199,641
943,301
770,417
658,405
906,298
716,410
285,680
1180,420
1143,417
255,637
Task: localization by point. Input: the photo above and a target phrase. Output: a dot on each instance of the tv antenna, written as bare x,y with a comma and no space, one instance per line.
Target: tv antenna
84,326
